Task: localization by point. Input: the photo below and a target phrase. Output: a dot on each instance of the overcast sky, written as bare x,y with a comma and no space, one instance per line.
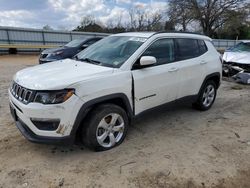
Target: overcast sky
66,14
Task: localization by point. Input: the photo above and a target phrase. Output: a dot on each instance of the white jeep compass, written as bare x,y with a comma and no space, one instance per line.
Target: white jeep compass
97,94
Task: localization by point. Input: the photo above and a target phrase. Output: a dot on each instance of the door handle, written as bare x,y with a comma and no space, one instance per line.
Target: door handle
203,62
174,69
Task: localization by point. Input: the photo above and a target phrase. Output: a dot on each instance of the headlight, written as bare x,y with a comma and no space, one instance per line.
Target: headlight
53,97
57,53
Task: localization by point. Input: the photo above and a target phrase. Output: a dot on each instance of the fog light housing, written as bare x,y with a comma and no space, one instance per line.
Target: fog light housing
46,124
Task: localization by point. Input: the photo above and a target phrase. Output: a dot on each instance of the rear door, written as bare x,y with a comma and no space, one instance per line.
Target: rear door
190,54
156,84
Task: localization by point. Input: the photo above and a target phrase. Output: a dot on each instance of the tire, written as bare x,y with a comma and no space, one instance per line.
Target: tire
105,128
206,97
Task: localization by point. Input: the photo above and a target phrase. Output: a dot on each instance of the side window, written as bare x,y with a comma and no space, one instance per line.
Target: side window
187,49
202,46
88,43
162,50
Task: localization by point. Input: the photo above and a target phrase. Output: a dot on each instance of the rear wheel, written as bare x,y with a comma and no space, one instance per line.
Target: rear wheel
206,97
105,128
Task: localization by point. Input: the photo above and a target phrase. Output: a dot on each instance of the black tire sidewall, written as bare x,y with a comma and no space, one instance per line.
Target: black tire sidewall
89,133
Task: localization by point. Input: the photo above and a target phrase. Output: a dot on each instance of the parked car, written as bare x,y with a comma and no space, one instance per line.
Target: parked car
96,95
237,59
68,50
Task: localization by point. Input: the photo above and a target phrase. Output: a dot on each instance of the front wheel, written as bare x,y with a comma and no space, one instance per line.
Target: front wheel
106,127
206,97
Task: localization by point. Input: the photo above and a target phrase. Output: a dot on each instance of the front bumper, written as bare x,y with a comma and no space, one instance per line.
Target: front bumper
65,112
32,137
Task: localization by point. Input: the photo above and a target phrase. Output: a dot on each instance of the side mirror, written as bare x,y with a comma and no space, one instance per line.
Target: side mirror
147,60
84,46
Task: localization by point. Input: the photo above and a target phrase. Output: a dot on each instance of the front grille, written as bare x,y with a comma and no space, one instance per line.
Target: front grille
20,93
43,56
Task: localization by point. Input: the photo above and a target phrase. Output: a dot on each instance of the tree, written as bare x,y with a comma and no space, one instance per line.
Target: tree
115,25
140,20
132,18
47,27
88,24
93,28
87,20
154,22
213,14
179,14
169,25
237,25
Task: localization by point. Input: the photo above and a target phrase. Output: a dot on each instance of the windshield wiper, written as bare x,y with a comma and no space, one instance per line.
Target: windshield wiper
90,61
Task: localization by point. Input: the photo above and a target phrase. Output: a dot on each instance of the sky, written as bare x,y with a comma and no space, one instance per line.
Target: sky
67,14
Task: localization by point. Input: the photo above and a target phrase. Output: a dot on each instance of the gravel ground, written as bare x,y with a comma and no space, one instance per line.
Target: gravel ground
172,147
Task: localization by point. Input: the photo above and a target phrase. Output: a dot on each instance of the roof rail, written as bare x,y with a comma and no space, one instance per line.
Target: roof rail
184,32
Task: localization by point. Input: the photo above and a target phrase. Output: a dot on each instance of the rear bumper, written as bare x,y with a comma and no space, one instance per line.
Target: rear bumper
31,136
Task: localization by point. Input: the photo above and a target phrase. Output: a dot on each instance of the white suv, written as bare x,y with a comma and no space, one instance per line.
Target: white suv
98,93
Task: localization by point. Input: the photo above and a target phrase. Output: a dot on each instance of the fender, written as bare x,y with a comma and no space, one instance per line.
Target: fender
86,107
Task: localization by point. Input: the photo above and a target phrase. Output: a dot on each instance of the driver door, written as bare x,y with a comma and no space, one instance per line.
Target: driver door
158,83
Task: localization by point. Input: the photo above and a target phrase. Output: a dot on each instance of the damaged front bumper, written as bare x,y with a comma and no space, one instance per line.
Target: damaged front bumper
46,123
232,68
238,71
32,137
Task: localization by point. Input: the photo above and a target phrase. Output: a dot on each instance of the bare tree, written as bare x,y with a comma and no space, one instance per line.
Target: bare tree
87,20
236,24
179,13
154,22
132,17
119,21
115,25
212,14
89,24
47,27
140,20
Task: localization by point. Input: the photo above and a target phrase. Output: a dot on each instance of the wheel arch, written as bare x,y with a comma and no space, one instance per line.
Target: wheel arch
216,77
119,99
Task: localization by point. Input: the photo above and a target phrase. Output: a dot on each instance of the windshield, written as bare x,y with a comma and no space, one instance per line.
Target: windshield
111,51
74,43
242,47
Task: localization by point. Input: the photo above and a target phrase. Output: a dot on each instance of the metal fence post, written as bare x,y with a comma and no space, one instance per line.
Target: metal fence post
8,36
43,37
70,33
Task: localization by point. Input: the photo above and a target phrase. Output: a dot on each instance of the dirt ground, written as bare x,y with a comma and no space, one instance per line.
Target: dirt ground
172,147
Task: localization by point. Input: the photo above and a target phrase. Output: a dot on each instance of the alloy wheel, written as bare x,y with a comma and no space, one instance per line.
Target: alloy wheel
110,130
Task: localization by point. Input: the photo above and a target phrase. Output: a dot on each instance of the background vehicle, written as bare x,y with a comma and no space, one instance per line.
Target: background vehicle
98,93
237,59
68,50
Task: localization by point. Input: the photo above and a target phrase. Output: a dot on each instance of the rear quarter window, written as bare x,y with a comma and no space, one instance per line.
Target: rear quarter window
202,46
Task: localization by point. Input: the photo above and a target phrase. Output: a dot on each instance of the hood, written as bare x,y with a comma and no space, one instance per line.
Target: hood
237,57
55,75
53,50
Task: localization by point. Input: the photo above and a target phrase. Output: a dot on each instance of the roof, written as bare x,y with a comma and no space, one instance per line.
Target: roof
167,34
137,34
245,41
